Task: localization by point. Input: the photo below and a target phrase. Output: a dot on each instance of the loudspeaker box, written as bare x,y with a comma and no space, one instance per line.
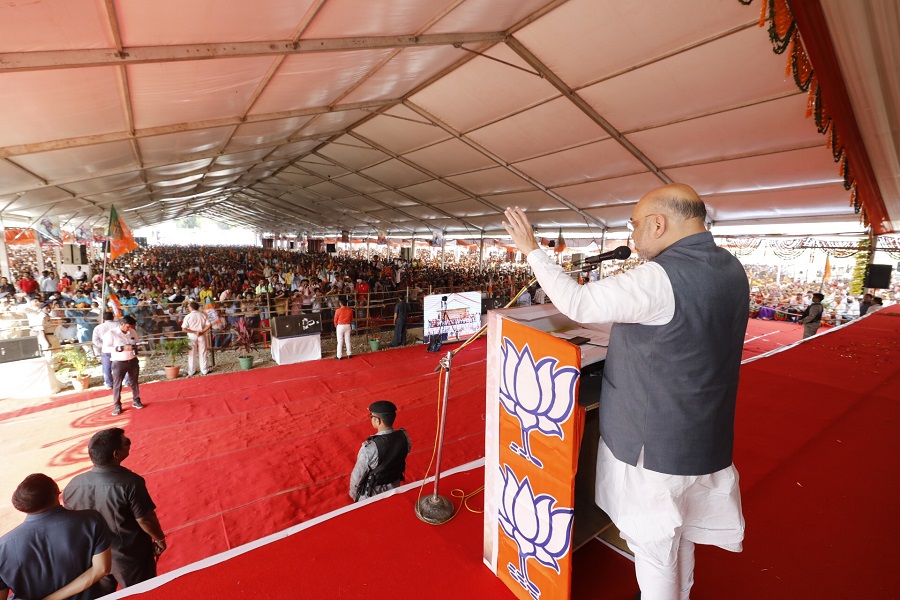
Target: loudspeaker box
290,326
18,349
878,277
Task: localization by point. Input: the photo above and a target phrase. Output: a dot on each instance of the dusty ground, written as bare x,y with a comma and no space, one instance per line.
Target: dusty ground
226,361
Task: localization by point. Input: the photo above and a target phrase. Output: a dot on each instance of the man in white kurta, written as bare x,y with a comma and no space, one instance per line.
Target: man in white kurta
660,514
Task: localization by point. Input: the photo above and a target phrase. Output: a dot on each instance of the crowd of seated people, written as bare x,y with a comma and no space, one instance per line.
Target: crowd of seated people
785,299
156,284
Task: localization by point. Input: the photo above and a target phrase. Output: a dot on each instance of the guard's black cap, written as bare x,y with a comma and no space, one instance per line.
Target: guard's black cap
383,407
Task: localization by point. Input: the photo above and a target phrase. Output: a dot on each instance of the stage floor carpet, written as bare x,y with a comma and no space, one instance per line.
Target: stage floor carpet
232,458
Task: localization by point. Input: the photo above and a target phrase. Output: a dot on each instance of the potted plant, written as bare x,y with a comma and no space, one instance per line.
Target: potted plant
374,340
243,341
174,347
77,359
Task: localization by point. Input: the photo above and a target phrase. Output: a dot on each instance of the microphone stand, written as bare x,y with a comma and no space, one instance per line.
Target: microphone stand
436,509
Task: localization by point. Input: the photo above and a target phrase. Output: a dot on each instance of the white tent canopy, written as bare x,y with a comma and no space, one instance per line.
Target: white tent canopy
415,116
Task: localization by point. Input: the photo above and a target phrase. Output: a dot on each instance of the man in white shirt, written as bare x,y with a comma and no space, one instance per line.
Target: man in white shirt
49,284
99,350
122,342
196,324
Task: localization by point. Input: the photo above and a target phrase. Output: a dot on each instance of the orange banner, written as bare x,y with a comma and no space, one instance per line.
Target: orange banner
26,237
539,438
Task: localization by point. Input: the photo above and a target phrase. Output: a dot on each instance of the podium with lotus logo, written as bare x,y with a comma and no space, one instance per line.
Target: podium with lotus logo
535,426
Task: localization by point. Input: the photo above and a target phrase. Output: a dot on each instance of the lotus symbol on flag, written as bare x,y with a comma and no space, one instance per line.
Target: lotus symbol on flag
541,531
539,395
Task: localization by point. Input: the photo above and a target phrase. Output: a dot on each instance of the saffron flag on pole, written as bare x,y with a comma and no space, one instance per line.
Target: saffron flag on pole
560,242
120,239
113,303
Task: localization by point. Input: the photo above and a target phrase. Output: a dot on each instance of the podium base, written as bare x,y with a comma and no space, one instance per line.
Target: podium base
433,509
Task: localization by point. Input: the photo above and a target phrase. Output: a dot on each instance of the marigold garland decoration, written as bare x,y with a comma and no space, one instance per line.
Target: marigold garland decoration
785,35
789,249
891,246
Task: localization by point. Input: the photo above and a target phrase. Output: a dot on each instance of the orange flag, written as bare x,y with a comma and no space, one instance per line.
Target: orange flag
120,238
560,243
827,274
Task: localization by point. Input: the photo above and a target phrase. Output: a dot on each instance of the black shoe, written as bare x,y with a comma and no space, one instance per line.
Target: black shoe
137,405
117,411
337,357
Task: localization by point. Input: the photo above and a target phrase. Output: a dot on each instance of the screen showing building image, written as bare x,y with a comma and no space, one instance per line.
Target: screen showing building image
454,317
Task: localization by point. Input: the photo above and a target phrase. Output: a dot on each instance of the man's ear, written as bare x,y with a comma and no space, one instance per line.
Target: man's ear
660,226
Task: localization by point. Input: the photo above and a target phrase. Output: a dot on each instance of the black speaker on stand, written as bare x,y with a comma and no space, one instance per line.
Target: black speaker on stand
877,276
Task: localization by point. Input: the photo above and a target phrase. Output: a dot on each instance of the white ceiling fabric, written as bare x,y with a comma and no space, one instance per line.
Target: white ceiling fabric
416,116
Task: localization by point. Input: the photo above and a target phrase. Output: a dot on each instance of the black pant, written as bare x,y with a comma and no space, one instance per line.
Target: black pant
128,571
399,333
120,368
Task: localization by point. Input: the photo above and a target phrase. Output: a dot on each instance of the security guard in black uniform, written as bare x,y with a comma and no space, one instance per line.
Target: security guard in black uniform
382,458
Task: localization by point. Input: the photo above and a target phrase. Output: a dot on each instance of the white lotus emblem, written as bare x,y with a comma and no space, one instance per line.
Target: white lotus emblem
541,530
539,395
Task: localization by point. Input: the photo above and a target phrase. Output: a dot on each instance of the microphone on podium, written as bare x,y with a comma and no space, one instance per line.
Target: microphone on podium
620,253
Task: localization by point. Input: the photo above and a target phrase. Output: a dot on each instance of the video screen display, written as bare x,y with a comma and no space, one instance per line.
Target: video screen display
454,317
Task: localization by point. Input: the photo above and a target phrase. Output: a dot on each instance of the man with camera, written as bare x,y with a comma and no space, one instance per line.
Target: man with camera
123,344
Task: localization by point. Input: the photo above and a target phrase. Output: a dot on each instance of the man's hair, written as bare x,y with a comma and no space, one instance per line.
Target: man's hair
37,492
819,296
683,208
103,444
878,300
342,300
128,319
107,315
387,418
194,306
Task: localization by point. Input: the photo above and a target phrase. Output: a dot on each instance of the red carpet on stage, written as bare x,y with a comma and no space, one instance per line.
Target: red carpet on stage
232,458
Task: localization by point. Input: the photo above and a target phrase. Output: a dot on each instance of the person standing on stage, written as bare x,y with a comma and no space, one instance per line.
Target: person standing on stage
101,351
196,324
812,316
56,553
122,342
343,319
122,499
401,314
665,474
382,458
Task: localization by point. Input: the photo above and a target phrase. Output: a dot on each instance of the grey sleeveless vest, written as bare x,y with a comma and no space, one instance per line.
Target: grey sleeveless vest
671,389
